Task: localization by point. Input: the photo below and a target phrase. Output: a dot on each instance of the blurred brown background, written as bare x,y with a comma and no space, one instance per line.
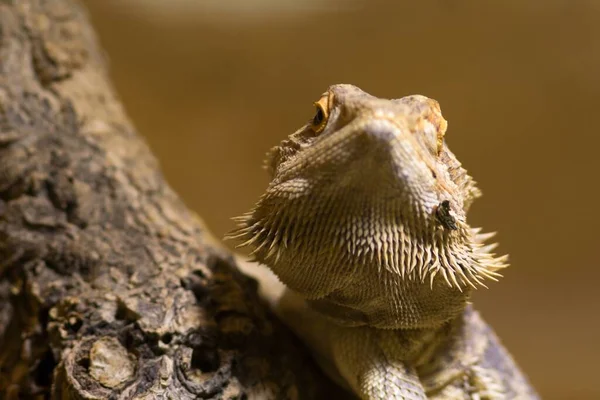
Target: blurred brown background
214,84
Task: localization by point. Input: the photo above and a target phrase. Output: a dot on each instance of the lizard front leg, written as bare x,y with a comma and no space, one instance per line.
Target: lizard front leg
375,368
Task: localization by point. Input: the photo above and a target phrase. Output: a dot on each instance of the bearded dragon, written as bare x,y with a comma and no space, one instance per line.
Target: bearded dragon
364,221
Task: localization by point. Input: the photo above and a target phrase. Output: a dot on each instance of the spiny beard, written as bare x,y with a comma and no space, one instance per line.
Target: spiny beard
403,242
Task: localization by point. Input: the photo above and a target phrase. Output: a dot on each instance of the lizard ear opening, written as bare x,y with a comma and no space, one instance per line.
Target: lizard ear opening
322,115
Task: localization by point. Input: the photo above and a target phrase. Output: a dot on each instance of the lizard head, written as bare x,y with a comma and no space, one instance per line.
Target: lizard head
367,189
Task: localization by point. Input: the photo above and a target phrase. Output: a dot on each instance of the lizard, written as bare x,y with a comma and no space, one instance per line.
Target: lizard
372,262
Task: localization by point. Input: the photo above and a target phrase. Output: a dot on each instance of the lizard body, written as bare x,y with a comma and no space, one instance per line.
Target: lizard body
364,221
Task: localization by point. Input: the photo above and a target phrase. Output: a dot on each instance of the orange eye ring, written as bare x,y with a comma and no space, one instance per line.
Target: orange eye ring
319,121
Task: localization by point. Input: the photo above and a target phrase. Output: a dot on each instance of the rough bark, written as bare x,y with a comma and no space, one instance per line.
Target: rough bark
109,286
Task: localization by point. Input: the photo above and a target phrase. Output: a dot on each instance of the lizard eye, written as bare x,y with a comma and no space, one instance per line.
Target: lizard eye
320,119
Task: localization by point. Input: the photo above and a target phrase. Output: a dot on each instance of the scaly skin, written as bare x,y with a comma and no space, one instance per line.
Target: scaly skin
364,221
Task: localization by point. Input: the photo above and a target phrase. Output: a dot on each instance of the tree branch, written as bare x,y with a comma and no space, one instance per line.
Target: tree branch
109,286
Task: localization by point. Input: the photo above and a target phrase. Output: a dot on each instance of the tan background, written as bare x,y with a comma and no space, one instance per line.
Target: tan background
213,85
